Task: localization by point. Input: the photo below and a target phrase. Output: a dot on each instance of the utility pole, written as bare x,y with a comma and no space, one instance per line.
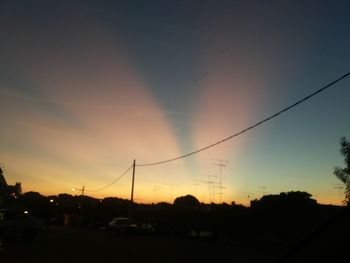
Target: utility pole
221,164
220,193
210,183
132,191
133,182
81,200
77,189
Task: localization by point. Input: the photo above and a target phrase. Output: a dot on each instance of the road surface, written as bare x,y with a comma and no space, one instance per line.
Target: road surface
66,244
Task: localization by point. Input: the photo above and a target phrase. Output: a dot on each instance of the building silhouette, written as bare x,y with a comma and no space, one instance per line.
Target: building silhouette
8,191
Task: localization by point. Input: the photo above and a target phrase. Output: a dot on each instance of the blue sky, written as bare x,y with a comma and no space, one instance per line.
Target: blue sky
88,86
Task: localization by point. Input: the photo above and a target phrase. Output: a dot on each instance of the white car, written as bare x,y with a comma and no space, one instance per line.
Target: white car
122,226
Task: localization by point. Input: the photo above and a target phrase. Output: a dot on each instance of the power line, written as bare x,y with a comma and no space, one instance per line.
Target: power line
252,126
113,182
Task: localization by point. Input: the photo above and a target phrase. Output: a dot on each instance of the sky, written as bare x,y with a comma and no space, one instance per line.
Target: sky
86,87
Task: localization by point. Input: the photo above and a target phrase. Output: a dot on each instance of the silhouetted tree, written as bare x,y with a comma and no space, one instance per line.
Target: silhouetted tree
32,197
343,174
188,201
293,199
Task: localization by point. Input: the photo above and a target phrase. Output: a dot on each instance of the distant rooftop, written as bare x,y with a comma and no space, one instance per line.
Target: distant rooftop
2,178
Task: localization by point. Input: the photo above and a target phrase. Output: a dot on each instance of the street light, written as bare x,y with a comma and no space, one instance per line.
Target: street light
77,189
81,199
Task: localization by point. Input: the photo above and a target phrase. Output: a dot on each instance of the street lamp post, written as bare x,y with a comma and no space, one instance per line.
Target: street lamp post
81,200
77,189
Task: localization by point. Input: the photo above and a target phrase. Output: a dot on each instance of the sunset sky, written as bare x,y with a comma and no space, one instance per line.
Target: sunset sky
86,87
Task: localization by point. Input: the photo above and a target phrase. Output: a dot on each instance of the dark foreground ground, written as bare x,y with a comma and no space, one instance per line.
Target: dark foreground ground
62,244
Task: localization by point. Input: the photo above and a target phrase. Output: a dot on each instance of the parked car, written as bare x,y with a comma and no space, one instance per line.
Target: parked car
122,226
18,225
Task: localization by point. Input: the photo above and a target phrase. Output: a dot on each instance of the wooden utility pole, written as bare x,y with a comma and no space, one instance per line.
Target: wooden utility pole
133,182
132,191
81,203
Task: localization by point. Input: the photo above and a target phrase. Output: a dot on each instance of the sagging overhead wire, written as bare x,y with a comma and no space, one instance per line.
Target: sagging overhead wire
111,183
252,126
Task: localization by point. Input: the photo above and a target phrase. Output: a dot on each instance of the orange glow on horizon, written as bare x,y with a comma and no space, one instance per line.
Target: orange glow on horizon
79,112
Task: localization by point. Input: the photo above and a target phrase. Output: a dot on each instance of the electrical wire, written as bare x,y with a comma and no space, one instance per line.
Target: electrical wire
111,183
250,127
